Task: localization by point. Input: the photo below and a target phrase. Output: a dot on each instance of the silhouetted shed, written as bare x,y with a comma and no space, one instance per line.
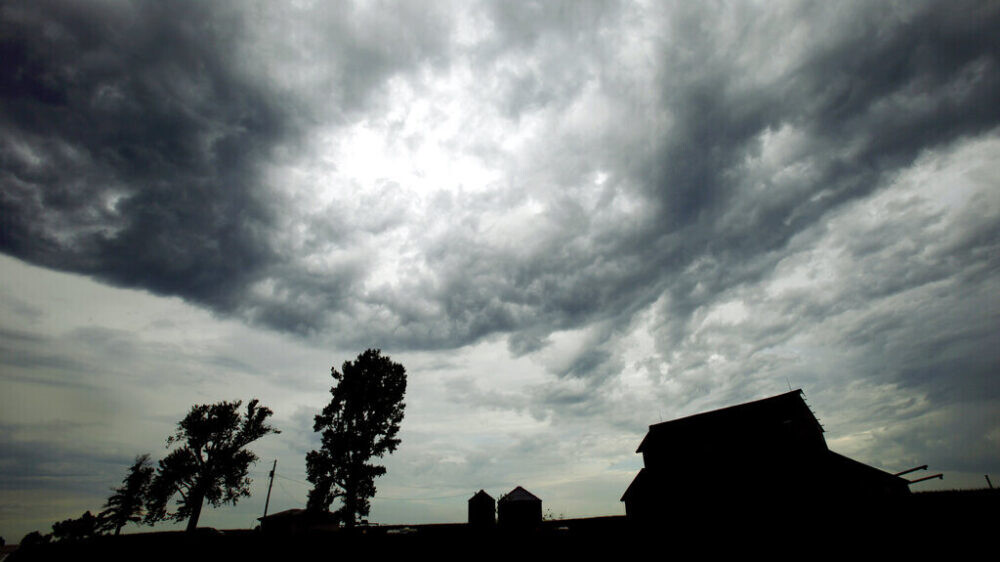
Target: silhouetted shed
761,453
519,509
294,521
482,510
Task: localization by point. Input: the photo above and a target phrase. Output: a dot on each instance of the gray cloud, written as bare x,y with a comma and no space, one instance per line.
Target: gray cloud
700,174
150,176
715,222
130,146
27,464
135,137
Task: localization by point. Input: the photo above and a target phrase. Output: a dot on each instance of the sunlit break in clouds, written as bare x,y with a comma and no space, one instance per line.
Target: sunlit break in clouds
568,220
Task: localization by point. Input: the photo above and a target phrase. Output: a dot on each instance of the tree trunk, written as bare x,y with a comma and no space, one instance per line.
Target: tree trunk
349,504
197,499
348,512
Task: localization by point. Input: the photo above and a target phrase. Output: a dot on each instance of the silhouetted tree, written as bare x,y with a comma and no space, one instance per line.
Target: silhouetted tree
85,527
127,503
360,422
212,463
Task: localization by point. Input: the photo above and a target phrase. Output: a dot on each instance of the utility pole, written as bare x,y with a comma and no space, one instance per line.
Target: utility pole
268,500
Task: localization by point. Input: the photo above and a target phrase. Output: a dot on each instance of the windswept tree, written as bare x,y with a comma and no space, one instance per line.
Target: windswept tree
127,503
212,462
360,422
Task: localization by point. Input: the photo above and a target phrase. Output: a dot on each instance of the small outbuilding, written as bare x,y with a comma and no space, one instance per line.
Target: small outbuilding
482,510
297,521
519,509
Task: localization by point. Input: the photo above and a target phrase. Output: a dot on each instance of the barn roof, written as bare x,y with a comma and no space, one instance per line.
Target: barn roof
637,484
519,494
283,514
295,513
758,412
847,467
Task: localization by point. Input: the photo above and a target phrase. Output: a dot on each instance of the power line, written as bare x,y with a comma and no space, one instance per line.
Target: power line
377,496
287,493
292,480
390,498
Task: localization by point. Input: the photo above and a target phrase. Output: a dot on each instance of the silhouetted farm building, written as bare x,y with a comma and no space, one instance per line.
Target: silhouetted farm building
519,509
295,521
482,510
766,453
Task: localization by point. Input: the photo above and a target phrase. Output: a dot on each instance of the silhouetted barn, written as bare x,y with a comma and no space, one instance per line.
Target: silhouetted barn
765,453
519,509
482,510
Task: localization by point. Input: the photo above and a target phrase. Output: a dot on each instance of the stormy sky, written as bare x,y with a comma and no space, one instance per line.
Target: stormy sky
568,220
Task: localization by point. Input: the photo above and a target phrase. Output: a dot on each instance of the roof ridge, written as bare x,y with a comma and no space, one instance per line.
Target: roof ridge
711,417
797,391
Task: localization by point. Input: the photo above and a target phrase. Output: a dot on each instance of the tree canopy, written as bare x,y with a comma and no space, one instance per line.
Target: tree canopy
212,462
360,422
127,502
87,526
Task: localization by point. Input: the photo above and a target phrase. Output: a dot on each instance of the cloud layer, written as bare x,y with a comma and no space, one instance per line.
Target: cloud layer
667,207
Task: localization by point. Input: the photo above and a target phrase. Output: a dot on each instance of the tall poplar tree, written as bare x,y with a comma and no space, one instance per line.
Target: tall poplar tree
360,422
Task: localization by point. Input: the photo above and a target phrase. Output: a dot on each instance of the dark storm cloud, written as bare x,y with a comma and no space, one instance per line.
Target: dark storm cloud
130,144
135,141
865,112
135,136
879,90
862,96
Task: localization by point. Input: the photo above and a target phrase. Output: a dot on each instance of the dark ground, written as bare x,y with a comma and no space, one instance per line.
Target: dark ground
922,525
